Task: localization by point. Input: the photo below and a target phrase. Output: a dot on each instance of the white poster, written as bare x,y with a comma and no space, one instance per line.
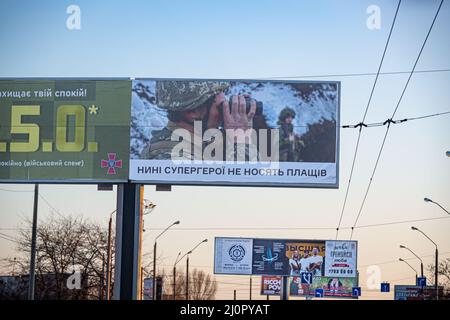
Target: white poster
340,259
233,256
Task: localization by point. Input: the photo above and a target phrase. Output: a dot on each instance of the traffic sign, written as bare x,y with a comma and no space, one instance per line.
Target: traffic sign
306,277
421,282
385,287
319,293
356,291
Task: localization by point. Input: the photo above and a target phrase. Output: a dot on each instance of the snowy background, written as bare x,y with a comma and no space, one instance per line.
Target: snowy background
313,103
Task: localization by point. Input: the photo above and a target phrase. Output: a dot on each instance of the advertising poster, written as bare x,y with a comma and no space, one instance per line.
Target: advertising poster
228,132
305,256
332,287
340,259
233,256
412,292
148,289
64,130
269,257
271,285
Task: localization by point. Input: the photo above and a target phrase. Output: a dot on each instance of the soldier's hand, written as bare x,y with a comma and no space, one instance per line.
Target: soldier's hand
237,117
214,118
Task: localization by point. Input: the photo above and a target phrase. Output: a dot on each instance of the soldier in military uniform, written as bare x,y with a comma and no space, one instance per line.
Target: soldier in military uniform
190,101
287,138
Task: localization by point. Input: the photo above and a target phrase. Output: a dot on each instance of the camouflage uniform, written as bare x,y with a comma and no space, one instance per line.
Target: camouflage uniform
286,146
178,96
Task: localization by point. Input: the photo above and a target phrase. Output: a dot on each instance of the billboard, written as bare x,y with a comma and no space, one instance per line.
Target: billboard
333,287
340,259
233,256
412,292
233,132
305,256
64,130
284,257
269,257
271,285
148,289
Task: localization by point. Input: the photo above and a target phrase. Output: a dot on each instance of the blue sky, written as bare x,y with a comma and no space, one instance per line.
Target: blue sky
260,39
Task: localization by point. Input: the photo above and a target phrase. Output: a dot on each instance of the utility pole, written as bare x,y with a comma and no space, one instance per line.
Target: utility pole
250,287
174,281
33,245
284,288
154,272
108,259
187,277
436,274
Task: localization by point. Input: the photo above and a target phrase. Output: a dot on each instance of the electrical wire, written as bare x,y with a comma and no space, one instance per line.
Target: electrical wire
392,116
364,117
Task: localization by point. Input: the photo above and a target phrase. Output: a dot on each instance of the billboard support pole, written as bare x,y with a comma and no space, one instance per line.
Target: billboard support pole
284,287
33,245
128,225
250,287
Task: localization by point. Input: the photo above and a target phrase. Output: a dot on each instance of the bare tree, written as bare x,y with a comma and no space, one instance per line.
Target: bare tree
443,276
65,244
202,286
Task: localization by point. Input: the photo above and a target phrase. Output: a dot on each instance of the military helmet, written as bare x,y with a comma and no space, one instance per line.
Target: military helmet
183,95
286,112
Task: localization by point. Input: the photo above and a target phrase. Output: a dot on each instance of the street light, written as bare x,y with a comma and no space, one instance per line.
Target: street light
436,262
402,260
429,200
421,262
187,267
175,272
148,206
154,257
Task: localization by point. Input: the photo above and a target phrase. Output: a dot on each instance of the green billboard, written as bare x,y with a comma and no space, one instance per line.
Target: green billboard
69,130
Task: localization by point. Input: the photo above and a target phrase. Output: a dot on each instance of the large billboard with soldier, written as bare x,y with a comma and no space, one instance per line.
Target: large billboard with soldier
228,132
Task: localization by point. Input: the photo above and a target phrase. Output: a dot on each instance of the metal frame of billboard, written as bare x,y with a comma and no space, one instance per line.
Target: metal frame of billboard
73,181
258,184
285,240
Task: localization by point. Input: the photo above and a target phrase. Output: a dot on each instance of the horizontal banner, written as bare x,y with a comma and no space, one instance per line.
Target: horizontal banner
64,130
284,257
168,131
230,132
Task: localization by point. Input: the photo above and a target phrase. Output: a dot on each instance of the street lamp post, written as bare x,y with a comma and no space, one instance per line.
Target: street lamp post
421,262
429,200
436,267
402,260
154,257
175,274
187,267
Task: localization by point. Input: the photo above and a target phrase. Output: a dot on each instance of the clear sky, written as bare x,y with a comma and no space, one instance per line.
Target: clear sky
261,39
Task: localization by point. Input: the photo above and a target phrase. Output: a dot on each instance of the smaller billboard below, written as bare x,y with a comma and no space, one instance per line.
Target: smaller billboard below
412,292
271,285
285,257
340,259
233,256
148,289
332,287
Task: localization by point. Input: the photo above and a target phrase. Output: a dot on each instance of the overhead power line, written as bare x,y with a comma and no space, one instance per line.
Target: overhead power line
392,116
355,74
390,121
363,119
